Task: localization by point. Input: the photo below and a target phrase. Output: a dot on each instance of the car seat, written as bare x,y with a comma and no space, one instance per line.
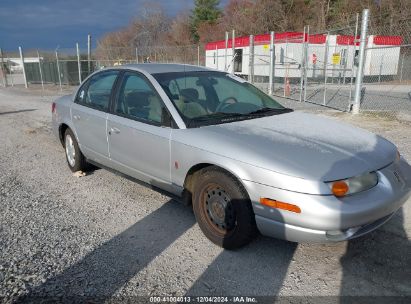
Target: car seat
188,103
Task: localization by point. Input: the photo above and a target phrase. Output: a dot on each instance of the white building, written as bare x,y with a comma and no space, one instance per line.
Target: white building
335,52
15,64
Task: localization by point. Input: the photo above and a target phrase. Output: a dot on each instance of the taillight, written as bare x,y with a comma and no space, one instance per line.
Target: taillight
53,107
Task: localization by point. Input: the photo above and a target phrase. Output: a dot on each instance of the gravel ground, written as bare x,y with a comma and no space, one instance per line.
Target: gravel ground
105,237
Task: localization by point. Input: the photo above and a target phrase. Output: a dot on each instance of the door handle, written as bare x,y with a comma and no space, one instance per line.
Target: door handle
113,131
77,117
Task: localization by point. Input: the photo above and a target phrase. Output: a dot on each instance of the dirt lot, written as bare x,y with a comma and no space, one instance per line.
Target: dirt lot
104,236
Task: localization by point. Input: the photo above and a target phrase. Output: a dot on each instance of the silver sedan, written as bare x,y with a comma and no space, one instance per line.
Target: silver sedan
244,162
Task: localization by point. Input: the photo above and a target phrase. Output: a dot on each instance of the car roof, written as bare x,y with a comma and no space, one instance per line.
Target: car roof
153,68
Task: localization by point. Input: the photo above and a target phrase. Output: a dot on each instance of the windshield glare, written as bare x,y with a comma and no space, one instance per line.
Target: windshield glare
213,97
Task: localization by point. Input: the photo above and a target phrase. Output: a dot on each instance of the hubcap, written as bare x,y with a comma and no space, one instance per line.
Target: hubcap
219,210
70,151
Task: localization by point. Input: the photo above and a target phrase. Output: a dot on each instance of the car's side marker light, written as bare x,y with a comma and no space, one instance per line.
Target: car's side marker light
279,205
340,188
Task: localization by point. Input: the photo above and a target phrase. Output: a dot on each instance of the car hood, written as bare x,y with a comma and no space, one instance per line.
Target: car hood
299,144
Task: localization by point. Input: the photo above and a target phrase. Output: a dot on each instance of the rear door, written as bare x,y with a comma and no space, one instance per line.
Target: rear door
139,143
89,115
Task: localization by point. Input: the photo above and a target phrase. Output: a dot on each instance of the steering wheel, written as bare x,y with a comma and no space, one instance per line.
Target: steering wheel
225,103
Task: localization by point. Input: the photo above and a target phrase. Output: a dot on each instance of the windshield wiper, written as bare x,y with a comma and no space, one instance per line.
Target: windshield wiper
271,110
223,116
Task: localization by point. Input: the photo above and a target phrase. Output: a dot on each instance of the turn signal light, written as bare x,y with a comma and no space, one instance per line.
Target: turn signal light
279,205
340,188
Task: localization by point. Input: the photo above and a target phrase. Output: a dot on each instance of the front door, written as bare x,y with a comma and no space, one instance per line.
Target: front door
139,145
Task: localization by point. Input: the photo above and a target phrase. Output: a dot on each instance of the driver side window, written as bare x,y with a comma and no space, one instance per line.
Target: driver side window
138,100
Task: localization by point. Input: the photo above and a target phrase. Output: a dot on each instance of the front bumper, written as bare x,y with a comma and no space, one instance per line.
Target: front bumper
326,218
299,234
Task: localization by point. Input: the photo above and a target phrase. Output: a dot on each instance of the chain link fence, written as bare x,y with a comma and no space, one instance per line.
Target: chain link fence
330,67
69,66
387,85
323,68
307,67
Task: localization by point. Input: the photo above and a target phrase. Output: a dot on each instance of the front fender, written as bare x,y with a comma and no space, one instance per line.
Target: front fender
188,156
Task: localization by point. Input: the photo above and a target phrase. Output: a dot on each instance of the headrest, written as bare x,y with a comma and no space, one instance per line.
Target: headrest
137,99
190,94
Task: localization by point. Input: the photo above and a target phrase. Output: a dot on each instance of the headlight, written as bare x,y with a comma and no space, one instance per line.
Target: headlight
354,184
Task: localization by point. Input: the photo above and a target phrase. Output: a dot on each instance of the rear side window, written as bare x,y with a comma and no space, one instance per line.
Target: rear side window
96,93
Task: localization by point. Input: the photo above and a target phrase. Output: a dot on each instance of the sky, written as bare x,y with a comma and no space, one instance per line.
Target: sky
49,24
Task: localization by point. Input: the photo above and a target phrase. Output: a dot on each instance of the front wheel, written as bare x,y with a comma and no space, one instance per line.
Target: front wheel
75,159
223,209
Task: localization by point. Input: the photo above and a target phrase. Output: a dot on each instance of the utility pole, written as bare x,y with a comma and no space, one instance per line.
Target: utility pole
233,49
78,63
24,69
40,70
272,65
88,54
251,60
225,51
361,60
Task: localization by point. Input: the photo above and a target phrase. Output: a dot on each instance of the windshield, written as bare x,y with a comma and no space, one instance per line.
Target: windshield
205,98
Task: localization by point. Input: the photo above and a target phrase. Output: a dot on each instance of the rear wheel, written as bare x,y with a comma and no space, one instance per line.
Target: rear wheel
223,209
75,159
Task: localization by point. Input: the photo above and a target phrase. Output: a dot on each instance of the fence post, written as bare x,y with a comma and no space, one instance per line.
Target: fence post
361,60
216,57
402,66
11,75
58,69
198,55
2,69
327,42
285,64
78,63
24,69
136,55
233,48
272,65
251,60
381,64
307,44
88,54
302,66
41,72
225,51
353,57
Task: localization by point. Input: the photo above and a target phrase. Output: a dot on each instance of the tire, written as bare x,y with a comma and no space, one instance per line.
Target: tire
223,209
76,161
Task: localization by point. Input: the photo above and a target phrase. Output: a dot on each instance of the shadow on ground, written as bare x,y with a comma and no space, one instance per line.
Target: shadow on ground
242,273
378,263
108,267
17,111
